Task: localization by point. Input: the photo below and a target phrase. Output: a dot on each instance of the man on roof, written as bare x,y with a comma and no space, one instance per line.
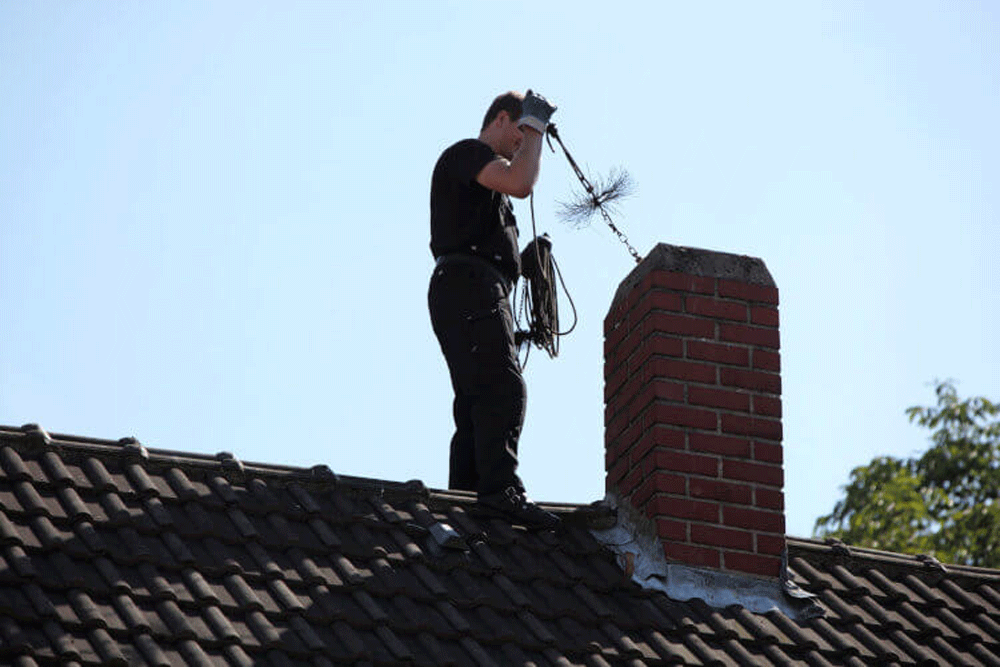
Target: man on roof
474,240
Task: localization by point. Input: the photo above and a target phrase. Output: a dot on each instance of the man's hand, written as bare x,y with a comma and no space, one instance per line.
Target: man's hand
535,112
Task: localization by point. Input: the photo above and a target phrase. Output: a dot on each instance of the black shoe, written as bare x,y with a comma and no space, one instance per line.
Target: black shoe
514,505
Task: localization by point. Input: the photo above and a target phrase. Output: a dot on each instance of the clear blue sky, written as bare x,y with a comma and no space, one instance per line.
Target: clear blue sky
214,215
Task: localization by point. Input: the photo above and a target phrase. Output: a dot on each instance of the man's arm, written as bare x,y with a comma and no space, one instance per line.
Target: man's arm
516,177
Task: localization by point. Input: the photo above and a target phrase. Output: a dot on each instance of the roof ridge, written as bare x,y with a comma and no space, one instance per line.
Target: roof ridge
848,555
33,437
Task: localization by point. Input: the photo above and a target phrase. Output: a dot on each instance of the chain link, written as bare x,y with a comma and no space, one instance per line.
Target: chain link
591,192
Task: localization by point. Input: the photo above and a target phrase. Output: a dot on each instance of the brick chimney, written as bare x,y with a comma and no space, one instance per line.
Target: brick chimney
693,407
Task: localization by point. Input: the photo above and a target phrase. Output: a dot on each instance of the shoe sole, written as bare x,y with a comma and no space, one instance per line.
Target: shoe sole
490,512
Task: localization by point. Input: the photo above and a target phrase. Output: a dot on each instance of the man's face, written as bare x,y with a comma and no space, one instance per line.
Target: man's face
512,138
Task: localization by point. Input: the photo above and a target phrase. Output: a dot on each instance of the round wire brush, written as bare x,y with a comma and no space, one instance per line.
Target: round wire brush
600,198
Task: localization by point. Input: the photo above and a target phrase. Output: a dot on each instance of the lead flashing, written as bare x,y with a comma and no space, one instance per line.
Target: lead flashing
641,554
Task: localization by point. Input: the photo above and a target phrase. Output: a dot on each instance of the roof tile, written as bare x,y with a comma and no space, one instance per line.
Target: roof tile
175,559
140,481
33,503
194,654
73,506
13,465
151,652
108,649
705,654
134,619
21,563
63,645
110,574
58,474
99,477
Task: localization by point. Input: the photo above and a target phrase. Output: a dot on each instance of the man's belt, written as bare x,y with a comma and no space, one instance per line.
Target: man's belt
475,260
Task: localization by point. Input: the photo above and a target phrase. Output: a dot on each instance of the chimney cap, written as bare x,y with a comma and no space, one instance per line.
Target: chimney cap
698,262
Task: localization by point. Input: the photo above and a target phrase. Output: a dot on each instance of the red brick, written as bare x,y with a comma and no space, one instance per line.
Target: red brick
683,282
625,440
719,444
753,519
659,482
613,427
626,393
715,308
614,378
668,529
616,355
692,555
615,317
657,390
724,354
769,406
611,456
742,333
721,537
754,380
764,315
681,325
682,508
630,482
655,345
679,415
767,566
768,452
766,360
771,499
635,295
617,472
658,436
738,290
681,370
674,461
655,300
718,398
614,338
753,426
761,473
728,492
771,545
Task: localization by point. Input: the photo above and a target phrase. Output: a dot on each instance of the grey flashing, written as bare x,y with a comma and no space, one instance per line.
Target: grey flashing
638,548
448,537
133,449
37,436
697,262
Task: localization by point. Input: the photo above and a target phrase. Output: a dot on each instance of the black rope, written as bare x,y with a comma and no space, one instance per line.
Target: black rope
536,300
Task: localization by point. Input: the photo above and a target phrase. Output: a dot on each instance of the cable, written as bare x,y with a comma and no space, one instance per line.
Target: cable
537,299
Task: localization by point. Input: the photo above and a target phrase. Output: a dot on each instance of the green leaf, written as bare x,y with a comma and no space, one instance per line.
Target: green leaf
943,502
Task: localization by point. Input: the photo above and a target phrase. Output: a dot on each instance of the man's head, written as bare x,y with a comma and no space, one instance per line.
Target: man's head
500,128
509,102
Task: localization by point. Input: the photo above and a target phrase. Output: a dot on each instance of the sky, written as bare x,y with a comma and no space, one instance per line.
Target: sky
214,215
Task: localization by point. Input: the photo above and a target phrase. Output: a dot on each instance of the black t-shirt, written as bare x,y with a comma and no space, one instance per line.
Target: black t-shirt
465,216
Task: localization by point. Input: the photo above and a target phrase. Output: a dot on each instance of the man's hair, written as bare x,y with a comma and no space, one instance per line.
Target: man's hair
509,102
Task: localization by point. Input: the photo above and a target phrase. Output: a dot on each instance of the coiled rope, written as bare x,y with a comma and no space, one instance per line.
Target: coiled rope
536,301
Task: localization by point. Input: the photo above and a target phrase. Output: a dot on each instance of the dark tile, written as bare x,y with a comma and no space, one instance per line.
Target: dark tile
57,472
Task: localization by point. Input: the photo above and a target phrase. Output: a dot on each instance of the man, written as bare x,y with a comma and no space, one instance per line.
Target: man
474,240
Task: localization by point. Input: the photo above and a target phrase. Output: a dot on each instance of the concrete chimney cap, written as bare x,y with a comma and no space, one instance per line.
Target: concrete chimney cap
698,262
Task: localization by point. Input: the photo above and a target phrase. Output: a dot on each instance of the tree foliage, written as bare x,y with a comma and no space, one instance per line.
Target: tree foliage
945,503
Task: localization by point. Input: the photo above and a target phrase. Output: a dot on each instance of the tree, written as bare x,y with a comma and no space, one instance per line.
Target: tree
945,503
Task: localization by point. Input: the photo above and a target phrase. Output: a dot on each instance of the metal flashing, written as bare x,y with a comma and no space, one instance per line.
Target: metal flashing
640,554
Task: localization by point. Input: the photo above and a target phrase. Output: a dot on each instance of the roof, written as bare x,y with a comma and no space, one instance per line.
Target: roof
114,554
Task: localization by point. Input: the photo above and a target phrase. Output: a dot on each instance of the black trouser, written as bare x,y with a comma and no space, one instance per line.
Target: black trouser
470,311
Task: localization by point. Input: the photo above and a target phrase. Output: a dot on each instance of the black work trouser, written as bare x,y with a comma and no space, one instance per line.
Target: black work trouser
470,311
